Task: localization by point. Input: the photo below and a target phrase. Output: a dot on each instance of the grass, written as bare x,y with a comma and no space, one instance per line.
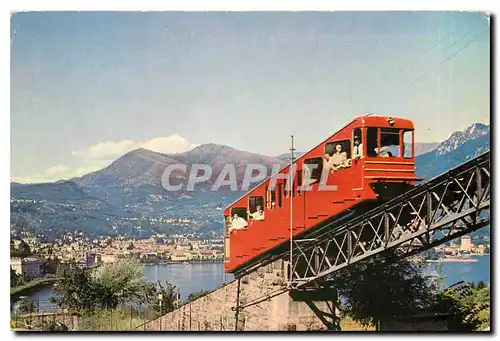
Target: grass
102,320
114,320
348,324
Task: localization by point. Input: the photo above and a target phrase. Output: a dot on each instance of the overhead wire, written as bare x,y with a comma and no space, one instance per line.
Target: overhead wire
439,42
449,57
460,38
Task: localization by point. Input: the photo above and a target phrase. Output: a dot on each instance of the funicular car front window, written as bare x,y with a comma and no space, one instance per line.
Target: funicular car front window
389,142
408,144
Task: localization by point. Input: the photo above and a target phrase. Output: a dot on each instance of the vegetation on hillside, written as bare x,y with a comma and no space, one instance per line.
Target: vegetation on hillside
109,286
372,293
195,295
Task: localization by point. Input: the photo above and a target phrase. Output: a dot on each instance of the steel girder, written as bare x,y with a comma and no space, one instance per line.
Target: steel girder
451,205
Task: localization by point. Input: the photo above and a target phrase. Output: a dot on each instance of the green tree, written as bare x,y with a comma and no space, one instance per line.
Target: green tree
63,268
53,326
109,285
79,293
195,295
468,305
26,306
373,292
49,266
15,278
24,249
125,278
370,293
480,285
154,293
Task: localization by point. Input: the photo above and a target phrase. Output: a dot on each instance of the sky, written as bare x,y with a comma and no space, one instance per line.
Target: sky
87,87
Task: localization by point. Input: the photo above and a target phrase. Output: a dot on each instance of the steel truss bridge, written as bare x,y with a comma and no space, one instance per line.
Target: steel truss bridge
448,206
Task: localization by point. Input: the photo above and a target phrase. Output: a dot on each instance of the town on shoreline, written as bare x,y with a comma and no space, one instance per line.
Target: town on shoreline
32,257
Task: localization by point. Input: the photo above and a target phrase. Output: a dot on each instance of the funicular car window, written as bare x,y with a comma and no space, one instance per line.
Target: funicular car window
372,142
266,198
299,182
312,170
256,208
280,194
357,143
239,218
227,229
389,142
285,187
337,154
345,147
408,144
273,198
227,225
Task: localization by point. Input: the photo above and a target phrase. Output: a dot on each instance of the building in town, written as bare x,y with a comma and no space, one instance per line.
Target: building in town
28,266
466,244
16,264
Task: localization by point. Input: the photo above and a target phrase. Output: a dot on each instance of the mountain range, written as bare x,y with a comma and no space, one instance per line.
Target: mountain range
458,148
127,197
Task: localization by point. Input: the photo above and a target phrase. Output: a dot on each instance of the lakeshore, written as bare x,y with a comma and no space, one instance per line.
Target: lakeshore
452,260
32,286
194,277
169,262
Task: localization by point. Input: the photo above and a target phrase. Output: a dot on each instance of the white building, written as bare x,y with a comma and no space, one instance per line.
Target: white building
465,243
27,266
108,258
16,264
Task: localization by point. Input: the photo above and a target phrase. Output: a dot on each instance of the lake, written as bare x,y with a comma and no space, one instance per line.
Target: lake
208,276
463,271
190,278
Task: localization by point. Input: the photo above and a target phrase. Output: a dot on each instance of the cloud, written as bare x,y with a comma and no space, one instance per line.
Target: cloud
101,154
59,169
111,150
22,179
59,172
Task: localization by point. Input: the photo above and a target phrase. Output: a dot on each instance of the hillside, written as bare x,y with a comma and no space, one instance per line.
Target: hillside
458,148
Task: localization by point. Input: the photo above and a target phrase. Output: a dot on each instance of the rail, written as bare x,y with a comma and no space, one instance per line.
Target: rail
448,206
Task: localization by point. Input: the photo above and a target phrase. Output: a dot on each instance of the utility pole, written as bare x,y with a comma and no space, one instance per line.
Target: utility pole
290,193
160,298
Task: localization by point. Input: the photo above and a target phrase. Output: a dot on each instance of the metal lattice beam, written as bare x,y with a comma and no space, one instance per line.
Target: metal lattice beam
449,206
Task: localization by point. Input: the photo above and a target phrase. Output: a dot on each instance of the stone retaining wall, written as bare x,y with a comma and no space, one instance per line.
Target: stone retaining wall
214,311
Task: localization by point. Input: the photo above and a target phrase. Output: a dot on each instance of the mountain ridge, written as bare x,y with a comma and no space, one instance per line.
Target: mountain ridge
111,199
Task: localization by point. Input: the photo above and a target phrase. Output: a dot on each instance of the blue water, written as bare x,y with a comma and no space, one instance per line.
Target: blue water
189,278
462,271
208,276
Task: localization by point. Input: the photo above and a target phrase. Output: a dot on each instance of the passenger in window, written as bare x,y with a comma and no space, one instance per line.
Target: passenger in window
257,215
238,222
385,153
273,205
326,161
357,152
337,160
